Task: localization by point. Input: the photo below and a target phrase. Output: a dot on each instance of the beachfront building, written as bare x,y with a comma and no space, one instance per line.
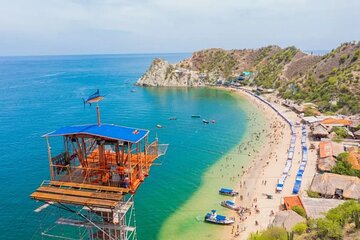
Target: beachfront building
317,207
287,219
357,134
292,201
314,207
331,185
319,131
328,150
94,172
336,122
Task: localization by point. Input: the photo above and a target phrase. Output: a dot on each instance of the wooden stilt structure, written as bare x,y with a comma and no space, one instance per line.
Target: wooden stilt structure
95,176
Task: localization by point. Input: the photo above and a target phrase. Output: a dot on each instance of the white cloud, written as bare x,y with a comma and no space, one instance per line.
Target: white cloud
112,26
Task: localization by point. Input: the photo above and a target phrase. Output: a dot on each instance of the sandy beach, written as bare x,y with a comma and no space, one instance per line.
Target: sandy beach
266,167
252,168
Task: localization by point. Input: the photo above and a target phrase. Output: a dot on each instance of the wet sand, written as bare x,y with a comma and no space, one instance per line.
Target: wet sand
187,221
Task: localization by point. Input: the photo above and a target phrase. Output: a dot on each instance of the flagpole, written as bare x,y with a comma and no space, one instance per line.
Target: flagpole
98,114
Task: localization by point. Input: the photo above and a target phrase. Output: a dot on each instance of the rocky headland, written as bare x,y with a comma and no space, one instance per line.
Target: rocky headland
331,81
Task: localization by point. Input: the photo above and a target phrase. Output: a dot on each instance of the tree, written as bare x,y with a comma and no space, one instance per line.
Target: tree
273,233
327,229
299,210
340,131
299,228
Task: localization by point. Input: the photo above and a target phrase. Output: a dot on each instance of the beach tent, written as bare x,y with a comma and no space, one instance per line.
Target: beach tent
296,187
280,185
297,184
286,169
302,167
291,155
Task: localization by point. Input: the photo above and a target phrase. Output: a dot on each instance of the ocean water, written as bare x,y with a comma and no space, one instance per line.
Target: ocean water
41,94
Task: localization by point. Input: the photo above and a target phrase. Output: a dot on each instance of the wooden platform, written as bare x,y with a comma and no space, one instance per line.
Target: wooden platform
98,188
79,194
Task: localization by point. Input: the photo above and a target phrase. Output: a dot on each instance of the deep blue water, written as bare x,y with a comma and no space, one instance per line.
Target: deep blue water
41,94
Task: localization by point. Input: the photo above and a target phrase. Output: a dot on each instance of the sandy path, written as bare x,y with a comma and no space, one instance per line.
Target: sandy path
266,168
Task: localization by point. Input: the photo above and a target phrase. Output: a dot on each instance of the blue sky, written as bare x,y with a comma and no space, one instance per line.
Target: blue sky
46,27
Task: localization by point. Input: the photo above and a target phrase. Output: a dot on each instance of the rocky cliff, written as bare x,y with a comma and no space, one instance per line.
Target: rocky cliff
331,81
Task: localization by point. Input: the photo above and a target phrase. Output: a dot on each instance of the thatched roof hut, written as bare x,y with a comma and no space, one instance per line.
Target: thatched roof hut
287,219
326,164
320,131
329,184
328,148
318,207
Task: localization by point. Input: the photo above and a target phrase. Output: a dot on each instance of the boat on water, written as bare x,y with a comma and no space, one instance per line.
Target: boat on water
133,90
173,118
195,116
218,219
228,192
230,204
159,126
205,121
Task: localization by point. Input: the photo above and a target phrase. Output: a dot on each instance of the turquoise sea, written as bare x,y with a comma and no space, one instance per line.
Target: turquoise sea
41,94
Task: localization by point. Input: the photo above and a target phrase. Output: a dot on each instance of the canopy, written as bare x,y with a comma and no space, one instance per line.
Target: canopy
108,131
230,202
220,218
226,190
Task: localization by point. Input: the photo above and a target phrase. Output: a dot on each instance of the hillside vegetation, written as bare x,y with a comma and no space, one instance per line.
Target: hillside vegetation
331,81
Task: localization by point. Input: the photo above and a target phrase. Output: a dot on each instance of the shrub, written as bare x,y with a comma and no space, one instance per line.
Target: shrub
273,233
332,80
343,167
356,55
343,58
313,194
299,228
299,210
328,229
340,131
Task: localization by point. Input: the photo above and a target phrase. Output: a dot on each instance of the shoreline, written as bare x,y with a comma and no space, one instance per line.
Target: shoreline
266,143
256,182
263,174
226,172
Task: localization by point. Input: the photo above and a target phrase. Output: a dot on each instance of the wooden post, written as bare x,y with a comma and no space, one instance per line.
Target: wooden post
52,177
117,153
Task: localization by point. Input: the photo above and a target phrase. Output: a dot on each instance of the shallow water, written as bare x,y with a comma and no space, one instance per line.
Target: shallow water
40,94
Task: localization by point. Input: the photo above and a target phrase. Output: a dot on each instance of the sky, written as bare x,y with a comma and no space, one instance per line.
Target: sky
61,27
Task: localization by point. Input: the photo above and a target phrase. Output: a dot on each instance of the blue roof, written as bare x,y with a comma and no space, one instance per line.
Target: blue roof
108,131
230,202
220,217
227,190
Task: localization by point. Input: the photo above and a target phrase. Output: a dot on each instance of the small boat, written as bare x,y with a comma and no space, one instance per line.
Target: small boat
228,192
173,118
195,116
205,121
133,90
159,126
230,204
218,219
